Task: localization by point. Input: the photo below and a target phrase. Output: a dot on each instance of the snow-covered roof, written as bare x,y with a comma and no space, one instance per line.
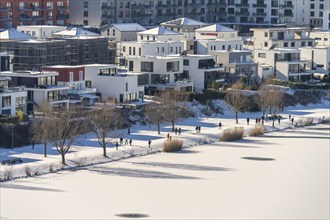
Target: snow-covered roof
184,21
216,28
75,32
13,34
129,27
159,31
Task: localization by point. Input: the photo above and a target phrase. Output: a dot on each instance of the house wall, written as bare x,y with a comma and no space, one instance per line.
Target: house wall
40,31
13,96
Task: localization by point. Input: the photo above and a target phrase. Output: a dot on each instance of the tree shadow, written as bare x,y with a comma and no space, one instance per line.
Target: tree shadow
184,166
258,158
138,173
184,151
296,136
33,188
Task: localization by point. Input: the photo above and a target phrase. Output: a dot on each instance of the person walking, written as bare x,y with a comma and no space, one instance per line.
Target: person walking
179,131
117,145
279,120
121,140
248,121
176,131
199,129
289,117
196,129
128,131
220,125
168,136
149,143
292,120
126,141
130,142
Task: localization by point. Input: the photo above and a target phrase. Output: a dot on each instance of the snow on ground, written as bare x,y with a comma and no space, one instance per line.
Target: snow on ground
281,175
87,151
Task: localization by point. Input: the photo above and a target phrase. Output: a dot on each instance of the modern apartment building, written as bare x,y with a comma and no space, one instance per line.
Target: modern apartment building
326,20
33,12
154,12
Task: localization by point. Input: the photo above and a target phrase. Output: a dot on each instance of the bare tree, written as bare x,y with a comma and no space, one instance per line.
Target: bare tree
262,98
63,129
102,122
237,100
155,114
172,102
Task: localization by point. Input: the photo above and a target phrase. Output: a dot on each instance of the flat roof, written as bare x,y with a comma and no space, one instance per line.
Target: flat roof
31,74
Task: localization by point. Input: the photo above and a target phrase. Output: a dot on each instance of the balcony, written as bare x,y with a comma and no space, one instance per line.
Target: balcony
38,18
286,6
108,7
61,16
242,13
242,5
288,14
2,8
259,5
25,18
25,8
82,91
62,8
6,18
259,14
12,89
37,8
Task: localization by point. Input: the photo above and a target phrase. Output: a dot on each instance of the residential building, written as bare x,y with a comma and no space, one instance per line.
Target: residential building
13,35
122,32
113,84
217,37
322,38
286,64
33,12
202,70
320,60
40,31
12,99
74,78
326,20
237,63
74,32
159,73
5,64
41,87
267,38
317,8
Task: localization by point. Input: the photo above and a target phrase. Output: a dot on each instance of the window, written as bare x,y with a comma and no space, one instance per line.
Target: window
172,66
303,43
134,51
85,13
113,32
6,101
141,37
147,66
321,6
266,44
157,49
139,51
49,5
312,13
262,55
292,44
130,65
163,50
312,6
85,4
127,87
186,62
321,14
171,49
124,49
71,76
310,43
223,47
286,44
266,34
129,51
81,75
85,22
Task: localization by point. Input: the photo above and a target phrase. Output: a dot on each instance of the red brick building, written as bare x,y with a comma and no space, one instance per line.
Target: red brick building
33,12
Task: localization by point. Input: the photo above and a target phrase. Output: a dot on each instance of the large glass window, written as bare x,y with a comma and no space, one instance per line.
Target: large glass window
147,66
172,66
160,78
206,64
6,101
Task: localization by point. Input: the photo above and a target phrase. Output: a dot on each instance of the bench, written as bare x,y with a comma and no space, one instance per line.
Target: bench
12,161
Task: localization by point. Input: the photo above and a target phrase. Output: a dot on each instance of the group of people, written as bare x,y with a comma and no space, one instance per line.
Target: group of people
198,129
177,131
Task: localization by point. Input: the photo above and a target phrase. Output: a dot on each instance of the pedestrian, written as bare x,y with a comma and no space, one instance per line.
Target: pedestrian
289,117
199,129
33,145
266,117
196,129
168,136
130,142
117,145
256,120
262,122
128,131
220,125
176,131
121,140
179,131
248,121
149,143
279,120
292,120
126,141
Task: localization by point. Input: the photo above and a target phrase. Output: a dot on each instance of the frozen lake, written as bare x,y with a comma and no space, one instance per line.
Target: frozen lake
280,175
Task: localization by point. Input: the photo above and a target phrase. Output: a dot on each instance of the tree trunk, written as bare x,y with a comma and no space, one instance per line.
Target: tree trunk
63,158
45,149
158,127
104,150
172,125
236,116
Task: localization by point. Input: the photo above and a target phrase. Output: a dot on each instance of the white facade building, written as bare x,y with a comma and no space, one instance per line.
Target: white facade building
12,99
122,32
326,20
40,31
320,58
322,38
111,84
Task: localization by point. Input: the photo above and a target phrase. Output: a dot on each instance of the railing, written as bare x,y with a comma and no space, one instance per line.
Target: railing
259,14
12,89
6,18
260,5
25,8
2,8
25,17
286,6
242,5
82,91
61,16
244,13
62,7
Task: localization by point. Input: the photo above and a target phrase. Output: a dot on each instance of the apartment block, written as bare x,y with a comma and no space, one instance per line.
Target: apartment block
33,12
326,20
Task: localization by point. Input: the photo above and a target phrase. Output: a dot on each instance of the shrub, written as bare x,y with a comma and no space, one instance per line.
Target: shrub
28,171
51,168
257,131
232,134
8,173
308,121
171,146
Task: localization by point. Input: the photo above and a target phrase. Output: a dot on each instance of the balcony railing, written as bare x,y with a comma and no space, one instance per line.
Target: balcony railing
262,14
25,18
25,8
107,7
61,16
37,8
12,89
38,18
2,8
242,5
62,7
6,18
286,6
288,14
82,91
259,5
242,13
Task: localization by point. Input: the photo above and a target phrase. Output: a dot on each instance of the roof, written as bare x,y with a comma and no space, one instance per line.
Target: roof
13,34
159,31
216,28
73,32
184,21
129,27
